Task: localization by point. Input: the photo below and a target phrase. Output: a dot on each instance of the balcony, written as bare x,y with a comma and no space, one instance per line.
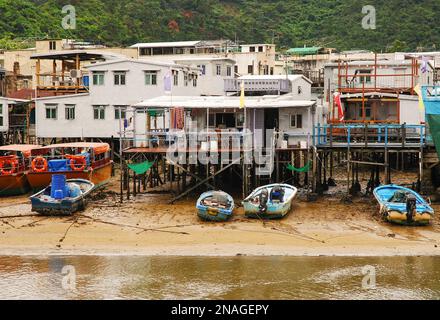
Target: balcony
258,85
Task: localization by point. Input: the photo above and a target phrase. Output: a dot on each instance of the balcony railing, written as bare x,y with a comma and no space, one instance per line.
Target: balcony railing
366,135
279,85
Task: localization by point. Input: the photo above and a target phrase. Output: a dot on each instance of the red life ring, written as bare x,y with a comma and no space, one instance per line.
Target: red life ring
10,163
77,163
39,164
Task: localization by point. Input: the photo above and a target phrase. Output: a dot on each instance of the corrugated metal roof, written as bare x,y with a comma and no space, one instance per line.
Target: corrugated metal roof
304,51
222,102
165,44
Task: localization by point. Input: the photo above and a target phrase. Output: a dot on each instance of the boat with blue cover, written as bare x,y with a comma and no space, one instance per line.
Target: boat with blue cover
403,206
78,160
215,206
270,202
62,197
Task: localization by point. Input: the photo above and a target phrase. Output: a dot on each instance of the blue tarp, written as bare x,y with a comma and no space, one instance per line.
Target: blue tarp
59,165
431,100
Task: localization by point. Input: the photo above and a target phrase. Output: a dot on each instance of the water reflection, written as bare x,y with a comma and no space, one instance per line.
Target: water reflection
219,278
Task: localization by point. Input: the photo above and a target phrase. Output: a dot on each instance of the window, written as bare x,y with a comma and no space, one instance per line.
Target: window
296,121
228,71
365,76
99,112
251,49
176,78
265,70
250,69
120,112
150,78
194,81
260,49
367,111
52,45
70,112
145,52
1,115
51,111
300,90
120,78
218,70
203,68
185,78
236,69
98,78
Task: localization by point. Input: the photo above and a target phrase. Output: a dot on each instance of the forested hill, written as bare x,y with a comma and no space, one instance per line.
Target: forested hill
400,25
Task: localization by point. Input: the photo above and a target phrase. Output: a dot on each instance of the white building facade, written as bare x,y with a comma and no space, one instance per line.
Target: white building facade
252,59
213,73
114,86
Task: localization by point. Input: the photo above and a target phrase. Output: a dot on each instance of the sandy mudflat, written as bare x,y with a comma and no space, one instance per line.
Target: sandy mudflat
148,226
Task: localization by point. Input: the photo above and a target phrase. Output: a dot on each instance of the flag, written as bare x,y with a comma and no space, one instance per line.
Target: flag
167,82
418,90
338,102
424,67
242,102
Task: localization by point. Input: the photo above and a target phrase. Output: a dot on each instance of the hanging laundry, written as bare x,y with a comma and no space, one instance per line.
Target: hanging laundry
338,103
177,118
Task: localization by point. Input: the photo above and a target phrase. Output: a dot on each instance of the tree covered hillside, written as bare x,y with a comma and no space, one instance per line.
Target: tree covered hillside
401,24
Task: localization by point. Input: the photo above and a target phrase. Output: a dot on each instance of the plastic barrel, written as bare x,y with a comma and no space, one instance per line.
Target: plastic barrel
58,186
86,81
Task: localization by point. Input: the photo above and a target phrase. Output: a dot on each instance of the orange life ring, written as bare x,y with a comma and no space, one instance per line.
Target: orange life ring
77,163
11,163
39,164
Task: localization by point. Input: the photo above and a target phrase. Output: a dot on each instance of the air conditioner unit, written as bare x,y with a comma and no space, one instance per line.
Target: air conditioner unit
74,73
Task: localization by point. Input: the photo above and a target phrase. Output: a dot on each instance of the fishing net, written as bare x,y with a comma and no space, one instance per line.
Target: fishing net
140,168
306,168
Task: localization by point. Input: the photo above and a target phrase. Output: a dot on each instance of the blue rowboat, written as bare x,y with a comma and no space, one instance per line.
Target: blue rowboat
215,206
270,202
403,206
66,201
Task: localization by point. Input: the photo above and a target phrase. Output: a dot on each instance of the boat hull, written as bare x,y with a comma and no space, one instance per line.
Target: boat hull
208,215
13,185
273,210
278,212
65,207
396,212
395,217
99,176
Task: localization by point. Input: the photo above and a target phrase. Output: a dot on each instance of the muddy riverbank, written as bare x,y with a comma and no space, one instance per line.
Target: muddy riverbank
149,226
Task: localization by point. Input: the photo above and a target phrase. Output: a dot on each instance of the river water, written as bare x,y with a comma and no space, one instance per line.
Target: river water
96,277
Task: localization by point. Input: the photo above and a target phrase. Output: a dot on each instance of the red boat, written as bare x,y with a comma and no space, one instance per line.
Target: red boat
14,166
82,160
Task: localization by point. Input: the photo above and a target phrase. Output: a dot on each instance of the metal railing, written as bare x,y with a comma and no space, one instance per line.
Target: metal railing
369,135
234,85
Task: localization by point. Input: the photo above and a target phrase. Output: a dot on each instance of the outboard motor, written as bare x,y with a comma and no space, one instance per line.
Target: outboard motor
264,198
411,207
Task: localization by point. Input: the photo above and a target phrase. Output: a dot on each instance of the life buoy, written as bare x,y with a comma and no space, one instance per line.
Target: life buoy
8,166
77,163
39,164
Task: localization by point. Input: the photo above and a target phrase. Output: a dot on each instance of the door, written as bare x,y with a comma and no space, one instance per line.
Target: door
271,122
